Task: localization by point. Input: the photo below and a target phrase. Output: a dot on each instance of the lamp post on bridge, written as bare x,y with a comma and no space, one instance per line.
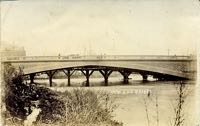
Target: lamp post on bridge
168,52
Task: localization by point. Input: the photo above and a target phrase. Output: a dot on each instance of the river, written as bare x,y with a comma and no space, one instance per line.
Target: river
131,99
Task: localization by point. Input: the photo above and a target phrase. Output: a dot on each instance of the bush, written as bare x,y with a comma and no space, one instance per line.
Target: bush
15,93
53,108
20,96
88,107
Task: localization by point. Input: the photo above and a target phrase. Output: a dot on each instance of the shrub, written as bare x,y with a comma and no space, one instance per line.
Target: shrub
15,92
19,96
88,107
53,108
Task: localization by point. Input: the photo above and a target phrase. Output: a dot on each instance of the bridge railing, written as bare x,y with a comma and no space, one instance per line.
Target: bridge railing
96,57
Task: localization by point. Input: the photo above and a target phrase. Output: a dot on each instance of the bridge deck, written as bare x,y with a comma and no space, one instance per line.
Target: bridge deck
94,57
180,66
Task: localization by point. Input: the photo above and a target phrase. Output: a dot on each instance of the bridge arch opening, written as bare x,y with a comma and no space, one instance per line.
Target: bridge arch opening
104,71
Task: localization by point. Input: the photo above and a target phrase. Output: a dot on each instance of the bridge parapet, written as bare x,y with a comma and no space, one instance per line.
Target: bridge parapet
96,57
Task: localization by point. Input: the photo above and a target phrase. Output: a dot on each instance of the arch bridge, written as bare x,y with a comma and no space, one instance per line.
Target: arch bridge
159,66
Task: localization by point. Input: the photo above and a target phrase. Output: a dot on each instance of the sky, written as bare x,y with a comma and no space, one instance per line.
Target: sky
127,27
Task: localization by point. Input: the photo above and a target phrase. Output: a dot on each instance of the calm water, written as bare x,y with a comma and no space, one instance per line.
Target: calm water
130,99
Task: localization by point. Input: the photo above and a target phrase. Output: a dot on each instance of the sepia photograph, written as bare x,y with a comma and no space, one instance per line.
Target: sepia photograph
100,62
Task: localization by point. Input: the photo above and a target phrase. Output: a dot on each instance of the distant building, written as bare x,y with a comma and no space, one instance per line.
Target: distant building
12,50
